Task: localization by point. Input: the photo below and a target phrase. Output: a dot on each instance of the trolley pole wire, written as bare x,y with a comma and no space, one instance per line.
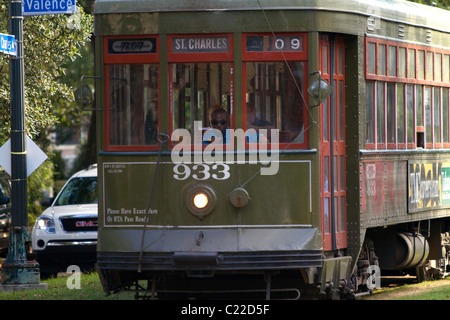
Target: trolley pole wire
162,138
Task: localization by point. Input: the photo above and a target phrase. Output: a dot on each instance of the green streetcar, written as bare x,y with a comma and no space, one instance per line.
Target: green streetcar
271,149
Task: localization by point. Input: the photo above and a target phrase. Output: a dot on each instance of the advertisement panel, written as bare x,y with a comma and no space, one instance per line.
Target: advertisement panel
428,185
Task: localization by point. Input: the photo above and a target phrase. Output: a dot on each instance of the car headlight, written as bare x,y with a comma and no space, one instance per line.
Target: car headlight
46,223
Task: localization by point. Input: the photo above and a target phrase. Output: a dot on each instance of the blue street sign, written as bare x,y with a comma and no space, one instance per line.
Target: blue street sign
41,7
8,44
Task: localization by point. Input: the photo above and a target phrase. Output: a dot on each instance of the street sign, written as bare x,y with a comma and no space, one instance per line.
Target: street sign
41,7
8,44
35,156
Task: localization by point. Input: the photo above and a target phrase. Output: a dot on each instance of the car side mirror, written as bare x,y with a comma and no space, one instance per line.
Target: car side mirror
47,202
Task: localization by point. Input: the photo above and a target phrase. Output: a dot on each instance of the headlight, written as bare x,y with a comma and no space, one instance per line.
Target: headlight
46,223
200,200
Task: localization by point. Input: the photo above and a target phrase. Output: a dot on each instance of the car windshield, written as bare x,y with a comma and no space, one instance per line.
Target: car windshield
78,191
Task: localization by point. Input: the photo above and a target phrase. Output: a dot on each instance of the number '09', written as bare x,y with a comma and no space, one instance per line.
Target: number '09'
202,171
295,44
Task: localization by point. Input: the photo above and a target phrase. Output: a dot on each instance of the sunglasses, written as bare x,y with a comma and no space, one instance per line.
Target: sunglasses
215,122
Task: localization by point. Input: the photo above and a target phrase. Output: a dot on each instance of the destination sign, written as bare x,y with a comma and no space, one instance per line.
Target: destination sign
274,44
127,46
41,7
200,44
8,44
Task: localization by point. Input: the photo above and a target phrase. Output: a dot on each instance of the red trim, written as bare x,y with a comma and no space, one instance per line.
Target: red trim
170,110
276,57
200,56
109,147
130,57
338,145
273,55
407,46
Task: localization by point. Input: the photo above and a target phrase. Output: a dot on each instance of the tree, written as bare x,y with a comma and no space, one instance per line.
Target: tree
444,4
50,41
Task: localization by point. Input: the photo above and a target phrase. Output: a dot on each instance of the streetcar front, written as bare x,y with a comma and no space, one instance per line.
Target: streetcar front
206,168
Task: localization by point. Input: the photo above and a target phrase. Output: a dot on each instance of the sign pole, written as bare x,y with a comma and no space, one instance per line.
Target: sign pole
16,268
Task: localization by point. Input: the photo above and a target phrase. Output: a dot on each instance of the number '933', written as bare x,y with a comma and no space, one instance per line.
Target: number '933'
202,171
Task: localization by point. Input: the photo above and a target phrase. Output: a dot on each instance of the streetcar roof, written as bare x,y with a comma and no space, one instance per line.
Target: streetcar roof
401,11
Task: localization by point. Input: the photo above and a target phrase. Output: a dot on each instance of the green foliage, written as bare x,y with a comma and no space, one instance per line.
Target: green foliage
444,4
39,182
51,43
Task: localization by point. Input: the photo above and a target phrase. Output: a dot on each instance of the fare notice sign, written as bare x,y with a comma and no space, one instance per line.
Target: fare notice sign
42,7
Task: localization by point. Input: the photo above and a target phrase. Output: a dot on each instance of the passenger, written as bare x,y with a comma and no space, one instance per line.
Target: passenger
211,110
253,122
219,121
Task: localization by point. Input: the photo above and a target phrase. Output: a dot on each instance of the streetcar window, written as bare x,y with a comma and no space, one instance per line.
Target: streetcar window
410,114
437,115
133,104
420,64
400,115
274,84
392,66
380,113
446,68
382,59
445,127
371,58
196,90
419,106
427,115
402,62
274,98
411,63
408,89
430,66
390,113
438,67
370,113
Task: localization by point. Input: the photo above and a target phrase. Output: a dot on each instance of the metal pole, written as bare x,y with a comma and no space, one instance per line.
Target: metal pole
16,268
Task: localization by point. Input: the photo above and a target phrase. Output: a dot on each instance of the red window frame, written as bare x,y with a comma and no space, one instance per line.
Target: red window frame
437,80
407,79
199,57
222,56
446,144
278,56
128,58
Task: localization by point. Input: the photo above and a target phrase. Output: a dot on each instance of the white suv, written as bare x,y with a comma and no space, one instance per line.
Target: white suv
66,232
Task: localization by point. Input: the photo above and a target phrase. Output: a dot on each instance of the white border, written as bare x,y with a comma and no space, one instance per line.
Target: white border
200,226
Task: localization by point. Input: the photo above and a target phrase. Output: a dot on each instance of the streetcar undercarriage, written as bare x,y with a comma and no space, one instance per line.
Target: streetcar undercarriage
261,275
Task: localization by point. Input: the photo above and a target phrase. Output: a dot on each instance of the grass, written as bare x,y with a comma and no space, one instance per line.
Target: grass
59,288
90,288
427,290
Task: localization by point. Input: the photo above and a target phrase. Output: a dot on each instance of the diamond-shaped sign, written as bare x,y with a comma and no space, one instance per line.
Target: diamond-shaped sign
35,156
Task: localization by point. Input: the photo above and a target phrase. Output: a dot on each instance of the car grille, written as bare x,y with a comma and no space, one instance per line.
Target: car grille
79,224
